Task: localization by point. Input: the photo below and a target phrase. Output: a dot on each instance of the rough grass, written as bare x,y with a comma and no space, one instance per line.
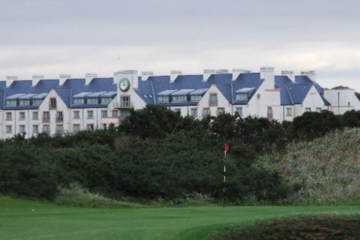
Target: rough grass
304,227
79,197
327,169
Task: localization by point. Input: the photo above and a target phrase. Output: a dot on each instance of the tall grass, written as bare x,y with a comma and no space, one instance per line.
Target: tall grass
327,169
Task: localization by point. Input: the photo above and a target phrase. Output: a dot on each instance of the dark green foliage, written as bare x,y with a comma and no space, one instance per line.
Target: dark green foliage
27,171
313,124
156,153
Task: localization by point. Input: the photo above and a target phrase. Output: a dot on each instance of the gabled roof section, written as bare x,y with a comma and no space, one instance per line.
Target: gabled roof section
248,82
70,88
194,85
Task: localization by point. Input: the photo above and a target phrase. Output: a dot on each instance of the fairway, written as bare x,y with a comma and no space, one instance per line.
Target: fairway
28,220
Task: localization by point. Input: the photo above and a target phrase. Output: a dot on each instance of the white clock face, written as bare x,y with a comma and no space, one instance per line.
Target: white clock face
124,84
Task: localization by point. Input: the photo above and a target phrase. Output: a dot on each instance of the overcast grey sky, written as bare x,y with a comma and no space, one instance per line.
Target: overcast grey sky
50,37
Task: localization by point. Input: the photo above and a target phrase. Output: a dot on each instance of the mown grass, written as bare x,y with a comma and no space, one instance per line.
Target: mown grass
30,220
327,169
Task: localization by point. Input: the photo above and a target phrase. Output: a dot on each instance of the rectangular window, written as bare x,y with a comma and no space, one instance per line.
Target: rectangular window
288,111
8,129
59,117
115,113
179,99
76,114
92,101
35,129
8,116
59,129
104,113
194,112
46,129
220,111
22,129
239,111
213,99
307,109
21,116
52,103
318,109
76,127
105,101
35,116
79,101
195,98
11,103
90,114
46,117
24,102
125,101
241,97
164,99
206,112
270,114
90,127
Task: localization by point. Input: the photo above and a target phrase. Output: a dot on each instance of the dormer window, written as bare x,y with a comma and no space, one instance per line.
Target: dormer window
24,102
11,103
105,101
241,97
37,102
79,101
179,99
195,98
164,99
92,101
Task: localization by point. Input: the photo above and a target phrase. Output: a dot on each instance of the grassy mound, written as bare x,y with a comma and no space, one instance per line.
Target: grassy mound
79,197
314,228
326,169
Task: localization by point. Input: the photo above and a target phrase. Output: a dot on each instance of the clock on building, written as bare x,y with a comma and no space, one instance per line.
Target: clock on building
124,84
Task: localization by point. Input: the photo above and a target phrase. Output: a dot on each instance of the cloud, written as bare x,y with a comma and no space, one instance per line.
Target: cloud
51,37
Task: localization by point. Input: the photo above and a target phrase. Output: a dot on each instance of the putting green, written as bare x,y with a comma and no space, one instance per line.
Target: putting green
28,220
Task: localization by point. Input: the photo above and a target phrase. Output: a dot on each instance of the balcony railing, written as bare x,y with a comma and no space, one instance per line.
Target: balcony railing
124,105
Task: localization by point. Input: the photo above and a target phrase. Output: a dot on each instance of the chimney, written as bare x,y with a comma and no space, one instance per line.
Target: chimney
236,73
289,73
146,75
63,77
174,74
10,80
310,74
207,74
268,75
130,75
89,77
36,79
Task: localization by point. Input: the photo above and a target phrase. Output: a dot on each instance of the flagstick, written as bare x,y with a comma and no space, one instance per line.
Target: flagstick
224,189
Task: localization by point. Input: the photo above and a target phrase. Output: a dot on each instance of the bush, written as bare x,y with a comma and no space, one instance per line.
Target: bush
27,171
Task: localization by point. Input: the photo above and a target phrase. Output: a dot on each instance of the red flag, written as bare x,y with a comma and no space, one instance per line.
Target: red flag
227,148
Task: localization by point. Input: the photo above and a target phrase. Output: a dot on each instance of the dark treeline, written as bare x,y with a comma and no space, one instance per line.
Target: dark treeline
156,153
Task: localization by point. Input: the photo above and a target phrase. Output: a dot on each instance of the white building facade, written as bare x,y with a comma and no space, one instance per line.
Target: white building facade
67,105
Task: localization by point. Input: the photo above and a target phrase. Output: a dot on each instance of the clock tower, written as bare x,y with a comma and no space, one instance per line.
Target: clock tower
126,82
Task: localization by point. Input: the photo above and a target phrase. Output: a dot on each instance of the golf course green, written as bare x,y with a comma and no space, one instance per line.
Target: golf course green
30,220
